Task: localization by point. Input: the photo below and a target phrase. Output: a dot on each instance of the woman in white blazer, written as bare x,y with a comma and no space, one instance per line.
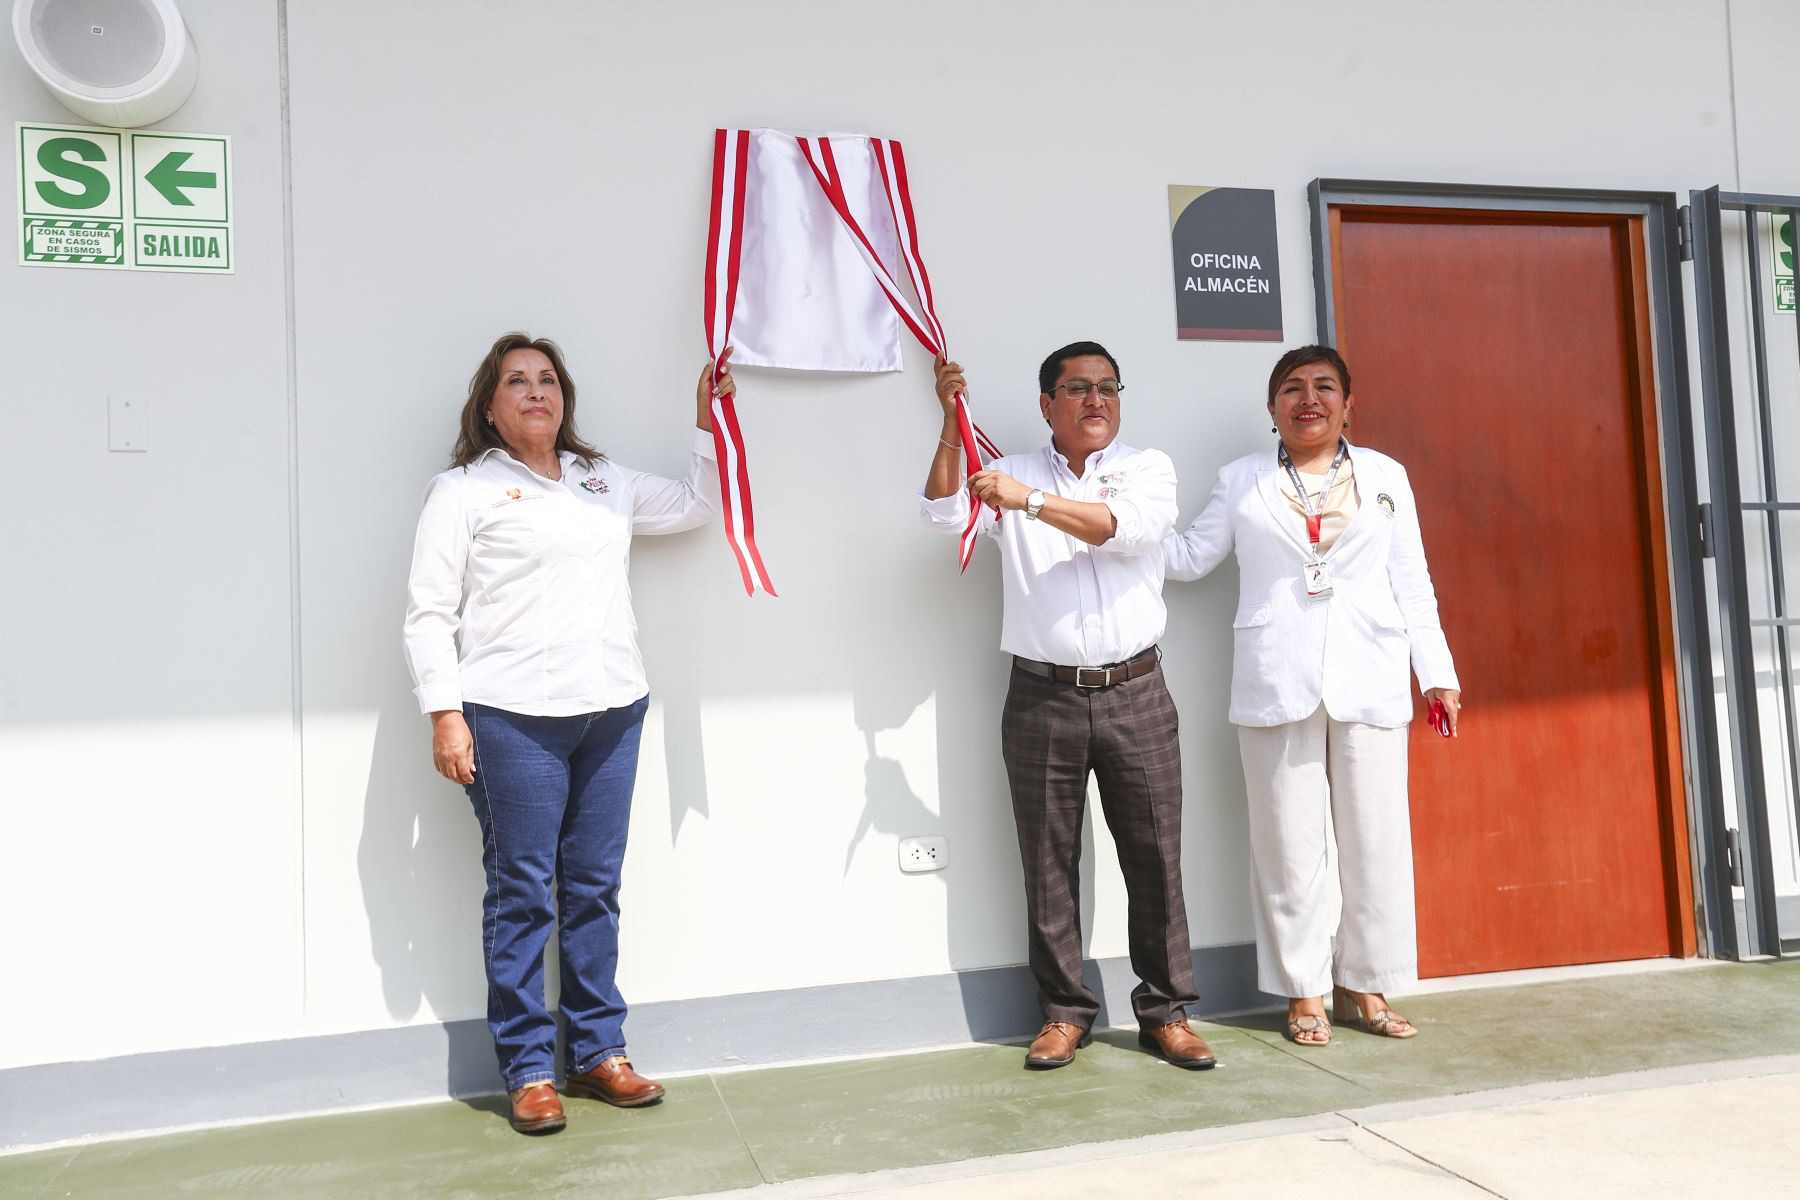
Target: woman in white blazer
1334,604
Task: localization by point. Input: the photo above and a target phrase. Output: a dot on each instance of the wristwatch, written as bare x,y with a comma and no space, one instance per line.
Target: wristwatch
1033,504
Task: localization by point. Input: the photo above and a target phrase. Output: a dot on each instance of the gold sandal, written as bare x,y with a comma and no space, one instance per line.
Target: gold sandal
1386,1023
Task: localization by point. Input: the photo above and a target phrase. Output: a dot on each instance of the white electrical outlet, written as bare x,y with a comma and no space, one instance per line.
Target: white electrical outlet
924,854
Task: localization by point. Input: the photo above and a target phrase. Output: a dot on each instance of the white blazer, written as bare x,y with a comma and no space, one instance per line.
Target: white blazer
1349,651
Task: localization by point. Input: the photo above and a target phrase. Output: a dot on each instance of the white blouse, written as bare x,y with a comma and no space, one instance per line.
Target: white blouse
518,597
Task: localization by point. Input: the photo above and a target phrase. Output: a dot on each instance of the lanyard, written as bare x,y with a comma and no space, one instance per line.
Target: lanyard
1314,519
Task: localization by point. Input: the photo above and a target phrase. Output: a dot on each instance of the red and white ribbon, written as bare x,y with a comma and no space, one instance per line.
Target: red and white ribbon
891,161
724,250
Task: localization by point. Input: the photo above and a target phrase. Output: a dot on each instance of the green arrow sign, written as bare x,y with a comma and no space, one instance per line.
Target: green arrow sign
124,199
168,178
1782,247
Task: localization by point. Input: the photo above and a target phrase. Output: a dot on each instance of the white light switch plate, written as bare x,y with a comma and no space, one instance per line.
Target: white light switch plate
127,424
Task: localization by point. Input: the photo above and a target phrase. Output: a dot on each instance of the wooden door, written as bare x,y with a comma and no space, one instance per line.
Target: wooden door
1505,359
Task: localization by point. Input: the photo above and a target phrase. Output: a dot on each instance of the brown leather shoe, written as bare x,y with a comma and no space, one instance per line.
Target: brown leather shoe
1055,1045
536,1108
615,1082
1178,1043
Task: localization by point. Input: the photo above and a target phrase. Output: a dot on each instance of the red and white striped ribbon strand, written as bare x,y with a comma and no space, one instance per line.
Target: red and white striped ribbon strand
824,167
906,228
724,249
927,329
899,195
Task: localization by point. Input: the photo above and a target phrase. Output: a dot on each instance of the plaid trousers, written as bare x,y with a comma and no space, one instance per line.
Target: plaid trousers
1052,735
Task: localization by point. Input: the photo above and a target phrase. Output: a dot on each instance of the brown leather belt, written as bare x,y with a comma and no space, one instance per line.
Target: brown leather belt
1094,677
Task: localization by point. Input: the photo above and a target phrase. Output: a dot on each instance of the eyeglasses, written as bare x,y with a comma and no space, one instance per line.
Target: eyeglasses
1081,389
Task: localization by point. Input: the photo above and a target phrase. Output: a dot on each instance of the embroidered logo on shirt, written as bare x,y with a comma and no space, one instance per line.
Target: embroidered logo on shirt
597,485
1386,501
513,496
1111,484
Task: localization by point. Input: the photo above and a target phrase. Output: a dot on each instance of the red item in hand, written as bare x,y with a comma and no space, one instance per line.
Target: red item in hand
1439,718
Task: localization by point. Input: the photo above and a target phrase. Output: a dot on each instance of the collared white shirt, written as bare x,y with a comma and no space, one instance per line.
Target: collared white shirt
1064,601
518,597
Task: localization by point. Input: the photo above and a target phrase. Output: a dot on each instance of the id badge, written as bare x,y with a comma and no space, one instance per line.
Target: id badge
1317,576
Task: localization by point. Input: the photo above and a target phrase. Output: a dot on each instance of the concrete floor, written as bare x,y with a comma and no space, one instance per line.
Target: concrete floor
1638,1139
1515,1091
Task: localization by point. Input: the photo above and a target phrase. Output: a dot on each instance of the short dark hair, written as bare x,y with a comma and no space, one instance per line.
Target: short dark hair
1053,365
1302,356
475,435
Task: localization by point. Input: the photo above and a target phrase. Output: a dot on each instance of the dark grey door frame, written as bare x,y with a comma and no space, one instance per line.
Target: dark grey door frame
1762,928
1663,243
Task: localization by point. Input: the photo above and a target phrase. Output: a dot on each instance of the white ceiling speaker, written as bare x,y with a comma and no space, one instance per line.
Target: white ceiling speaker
122,63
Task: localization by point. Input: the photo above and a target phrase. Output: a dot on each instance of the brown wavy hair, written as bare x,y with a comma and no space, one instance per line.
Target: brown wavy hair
476,436
1306,356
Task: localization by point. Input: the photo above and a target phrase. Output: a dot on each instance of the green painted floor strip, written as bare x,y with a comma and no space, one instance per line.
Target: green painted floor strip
739,1129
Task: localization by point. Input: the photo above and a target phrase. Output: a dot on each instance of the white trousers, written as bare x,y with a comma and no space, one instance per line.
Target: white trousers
1295,774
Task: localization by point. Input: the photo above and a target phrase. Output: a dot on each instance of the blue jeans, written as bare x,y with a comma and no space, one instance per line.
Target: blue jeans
553,795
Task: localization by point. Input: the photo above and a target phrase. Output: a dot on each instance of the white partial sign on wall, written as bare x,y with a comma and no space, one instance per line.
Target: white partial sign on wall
117,199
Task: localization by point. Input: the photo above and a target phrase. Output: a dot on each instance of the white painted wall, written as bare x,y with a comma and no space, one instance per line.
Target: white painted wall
149,869
180,872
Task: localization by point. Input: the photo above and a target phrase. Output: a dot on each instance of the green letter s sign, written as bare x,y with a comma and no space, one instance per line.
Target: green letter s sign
53,156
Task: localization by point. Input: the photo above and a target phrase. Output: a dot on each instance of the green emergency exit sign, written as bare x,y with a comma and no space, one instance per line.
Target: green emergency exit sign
124,199
1781,243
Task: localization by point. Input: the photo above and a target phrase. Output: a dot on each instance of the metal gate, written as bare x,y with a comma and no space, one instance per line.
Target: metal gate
1749,341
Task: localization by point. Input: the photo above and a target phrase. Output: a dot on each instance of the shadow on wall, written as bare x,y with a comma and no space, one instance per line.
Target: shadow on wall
423,901
888,688
683,749
419,854
931,636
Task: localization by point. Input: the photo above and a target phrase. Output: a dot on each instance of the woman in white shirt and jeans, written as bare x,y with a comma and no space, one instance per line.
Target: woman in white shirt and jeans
523,648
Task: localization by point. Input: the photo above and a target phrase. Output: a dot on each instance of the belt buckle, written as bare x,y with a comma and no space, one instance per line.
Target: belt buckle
1105,674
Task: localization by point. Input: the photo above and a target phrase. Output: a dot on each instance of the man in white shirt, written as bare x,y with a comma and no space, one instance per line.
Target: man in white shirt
1082,611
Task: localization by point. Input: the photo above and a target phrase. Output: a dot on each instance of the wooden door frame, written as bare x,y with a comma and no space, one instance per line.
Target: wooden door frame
1692,814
